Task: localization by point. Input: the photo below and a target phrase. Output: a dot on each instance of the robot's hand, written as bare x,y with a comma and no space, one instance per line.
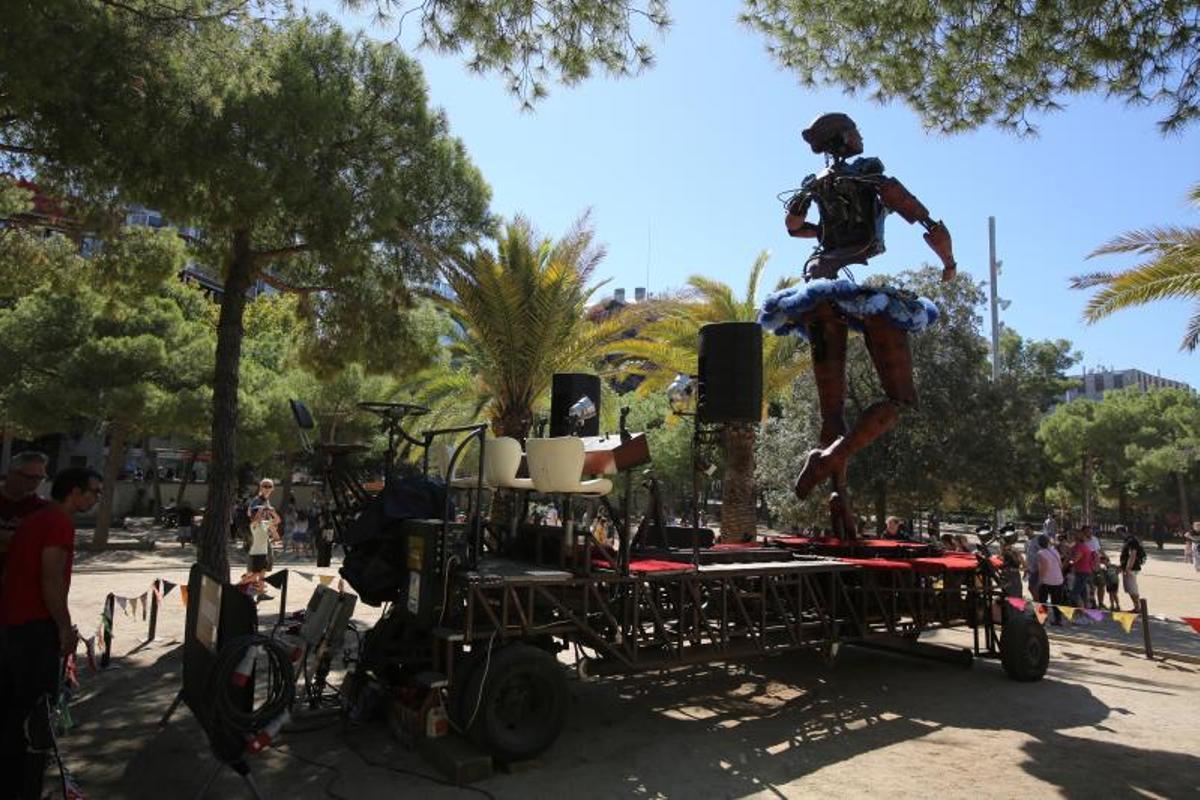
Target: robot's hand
938,239
797,204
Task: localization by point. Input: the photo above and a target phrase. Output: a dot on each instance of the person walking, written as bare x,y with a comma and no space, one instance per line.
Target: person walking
1133,556
1050,527
1050,576
1031,562
1081,570
18,495
36,630
1159,532
1191,546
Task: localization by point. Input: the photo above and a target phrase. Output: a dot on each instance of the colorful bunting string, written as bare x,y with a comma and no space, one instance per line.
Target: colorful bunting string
1041,612
1125,619
1017,603
1194,622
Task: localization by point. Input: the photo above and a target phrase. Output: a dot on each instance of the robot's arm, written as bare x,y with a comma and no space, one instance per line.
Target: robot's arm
797,211
893,195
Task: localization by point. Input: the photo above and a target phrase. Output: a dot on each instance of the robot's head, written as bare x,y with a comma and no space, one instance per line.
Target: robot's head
835,134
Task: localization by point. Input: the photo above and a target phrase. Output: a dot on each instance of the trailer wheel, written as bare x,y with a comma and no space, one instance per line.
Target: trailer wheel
522,702
1024,648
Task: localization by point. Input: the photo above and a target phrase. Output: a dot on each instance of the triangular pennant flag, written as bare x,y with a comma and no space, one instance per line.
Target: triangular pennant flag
1017,602
183,595
158,592
1041,612
1193,621
308,576
1066,611
167,586
325,579
124,604
1125,619
278,579
1094,614
145,600
341,585
133,605
90,645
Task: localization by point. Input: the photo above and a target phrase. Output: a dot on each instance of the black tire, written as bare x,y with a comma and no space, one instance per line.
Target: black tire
521,694
1024,648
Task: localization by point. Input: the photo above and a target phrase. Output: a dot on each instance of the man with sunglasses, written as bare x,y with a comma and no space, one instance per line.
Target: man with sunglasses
35,628
18,495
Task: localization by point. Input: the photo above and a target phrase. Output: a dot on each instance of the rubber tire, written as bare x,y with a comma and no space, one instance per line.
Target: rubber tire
1024,648
515,668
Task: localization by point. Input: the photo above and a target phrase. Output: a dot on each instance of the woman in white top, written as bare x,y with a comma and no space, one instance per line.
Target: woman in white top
264,528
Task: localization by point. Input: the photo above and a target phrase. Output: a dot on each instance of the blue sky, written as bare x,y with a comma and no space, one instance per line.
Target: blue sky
681,166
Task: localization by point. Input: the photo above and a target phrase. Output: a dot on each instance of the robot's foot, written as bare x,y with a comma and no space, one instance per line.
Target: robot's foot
819,466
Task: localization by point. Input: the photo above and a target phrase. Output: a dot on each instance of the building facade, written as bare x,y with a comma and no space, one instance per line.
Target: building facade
1093,385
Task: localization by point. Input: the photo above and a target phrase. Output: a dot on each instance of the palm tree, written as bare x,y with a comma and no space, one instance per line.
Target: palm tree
670,344
518,318
1172,270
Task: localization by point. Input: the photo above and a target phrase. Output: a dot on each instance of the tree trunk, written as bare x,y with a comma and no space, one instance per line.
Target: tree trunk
112,471
881,495
155,484
1185,515
222,472
185,477
737,485
1123,504
286,483
1086,510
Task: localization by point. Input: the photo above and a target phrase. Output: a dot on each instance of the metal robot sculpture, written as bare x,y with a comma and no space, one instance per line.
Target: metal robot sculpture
853,198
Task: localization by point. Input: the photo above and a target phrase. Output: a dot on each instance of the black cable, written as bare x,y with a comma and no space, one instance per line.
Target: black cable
281,684
328,785
412,772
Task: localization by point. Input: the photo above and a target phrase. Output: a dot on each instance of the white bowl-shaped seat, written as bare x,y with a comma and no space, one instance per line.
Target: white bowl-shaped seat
555,465
501,460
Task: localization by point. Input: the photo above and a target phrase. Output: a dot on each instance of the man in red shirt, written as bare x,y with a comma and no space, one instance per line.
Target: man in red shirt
35,628
18,495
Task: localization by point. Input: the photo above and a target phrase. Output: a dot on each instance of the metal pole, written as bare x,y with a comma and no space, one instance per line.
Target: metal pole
1145,627
994,268
153,611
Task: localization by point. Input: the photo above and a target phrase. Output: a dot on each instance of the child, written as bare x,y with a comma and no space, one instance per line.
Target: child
1112,582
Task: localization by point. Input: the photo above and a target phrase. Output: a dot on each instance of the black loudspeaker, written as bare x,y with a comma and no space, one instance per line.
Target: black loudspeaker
566,389
730,372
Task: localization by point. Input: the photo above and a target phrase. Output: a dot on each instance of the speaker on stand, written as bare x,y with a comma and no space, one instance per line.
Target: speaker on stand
730,370
565,391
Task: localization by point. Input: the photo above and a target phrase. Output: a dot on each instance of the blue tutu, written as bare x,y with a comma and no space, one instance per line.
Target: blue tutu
782,311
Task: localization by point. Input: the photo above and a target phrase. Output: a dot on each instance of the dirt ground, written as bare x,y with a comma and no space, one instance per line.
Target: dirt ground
1103,723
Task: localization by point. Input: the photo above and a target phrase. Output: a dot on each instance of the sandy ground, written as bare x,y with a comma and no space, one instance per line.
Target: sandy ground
1103,723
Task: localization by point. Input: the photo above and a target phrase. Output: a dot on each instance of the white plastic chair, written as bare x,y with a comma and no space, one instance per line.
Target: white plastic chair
501,460
555,466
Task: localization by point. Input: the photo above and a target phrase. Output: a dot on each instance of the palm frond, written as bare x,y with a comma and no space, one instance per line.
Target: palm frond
1191,336
1149,240
1159,279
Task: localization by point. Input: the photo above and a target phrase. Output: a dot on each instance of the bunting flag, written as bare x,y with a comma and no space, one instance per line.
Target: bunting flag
1066,611
308,576
1125,619
341,585
1017,602
278,579
89,644
124,604
1193,621
158,592
325,579
183,594
167,586
145,601
1095,614
133,606
1041,612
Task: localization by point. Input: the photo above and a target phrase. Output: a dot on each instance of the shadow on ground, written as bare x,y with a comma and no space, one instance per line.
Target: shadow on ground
718,731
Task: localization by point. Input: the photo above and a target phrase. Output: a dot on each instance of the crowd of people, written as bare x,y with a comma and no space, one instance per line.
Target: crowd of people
1073,568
